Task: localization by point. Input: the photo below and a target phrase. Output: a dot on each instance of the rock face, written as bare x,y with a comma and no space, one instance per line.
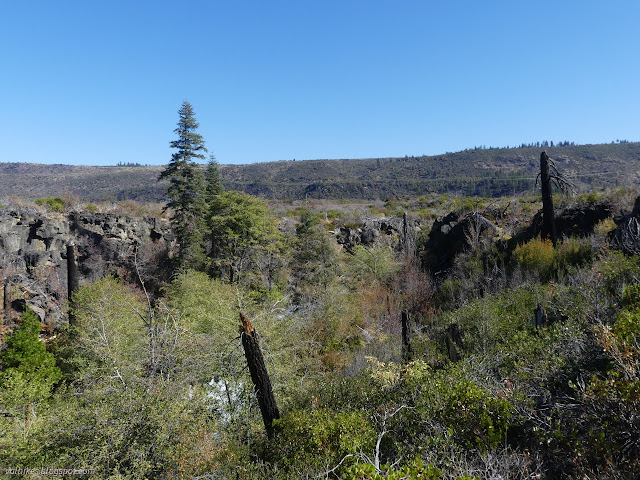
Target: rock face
378,231
448,238
578,221
33,253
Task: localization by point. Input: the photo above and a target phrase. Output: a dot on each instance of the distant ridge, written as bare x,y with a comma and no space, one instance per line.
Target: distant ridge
485,172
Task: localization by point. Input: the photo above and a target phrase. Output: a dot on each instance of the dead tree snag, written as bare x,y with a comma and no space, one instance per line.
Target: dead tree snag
259,374
549,173
548,217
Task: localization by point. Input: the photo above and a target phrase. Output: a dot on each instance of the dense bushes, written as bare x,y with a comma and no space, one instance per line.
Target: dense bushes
541,258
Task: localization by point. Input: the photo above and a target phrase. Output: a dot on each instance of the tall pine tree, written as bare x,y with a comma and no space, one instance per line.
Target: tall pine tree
186,188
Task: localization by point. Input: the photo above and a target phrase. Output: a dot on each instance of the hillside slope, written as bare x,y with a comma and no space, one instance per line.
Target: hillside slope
485,172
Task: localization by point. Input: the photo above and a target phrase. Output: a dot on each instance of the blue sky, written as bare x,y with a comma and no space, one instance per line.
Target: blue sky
97,82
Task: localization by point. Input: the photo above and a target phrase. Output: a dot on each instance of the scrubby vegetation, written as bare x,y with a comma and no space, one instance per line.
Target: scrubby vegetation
154,384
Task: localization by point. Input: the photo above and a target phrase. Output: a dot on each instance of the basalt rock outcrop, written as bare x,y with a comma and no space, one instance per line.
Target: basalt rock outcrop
454,233
33,253
577,221
397,232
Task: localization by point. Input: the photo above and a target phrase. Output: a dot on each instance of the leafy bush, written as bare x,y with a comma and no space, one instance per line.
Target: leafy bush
539,256
414,470
376,263
54,204
473,417
619,271
589,197
320,437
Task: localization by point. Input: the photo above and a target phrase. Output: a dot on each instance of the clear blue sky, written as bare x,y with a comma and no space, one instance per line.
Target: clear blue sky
99,82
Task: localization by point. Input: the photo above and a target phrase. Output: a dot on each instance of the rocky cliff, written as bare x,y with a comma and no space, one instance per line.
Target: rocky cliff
33,265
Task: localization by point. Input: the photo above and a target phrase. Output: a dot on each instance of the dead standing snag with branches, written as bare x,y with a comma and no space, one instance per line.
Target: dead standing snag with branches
548,174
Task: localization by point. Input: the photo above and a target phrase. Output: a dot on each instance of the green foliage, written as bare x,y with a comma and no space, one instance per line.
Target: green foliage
208,312
373,263
131,435
243,229
54,204
314,263
320,437
626,332
213,183
29,372
539,256
110,334
465,412
610,399
186,188
415,470
619,271
589,197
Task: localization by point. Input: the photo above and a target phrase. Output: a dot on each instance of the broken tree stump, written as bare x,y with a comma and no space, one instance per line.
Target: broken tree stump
259,374
539,316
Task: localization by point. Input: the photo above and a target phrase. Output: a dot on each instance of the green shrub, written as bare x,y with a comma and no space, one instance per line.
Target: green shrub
320,437
474,417
539,256
413,470
536,256
589,197
54,204
619,271
627,325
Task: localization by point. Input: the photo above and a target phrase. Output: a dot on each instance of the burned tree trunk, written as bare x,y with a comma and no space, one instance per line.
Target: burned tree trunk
408,239
406,340
548,218
72,279
539,316
259,374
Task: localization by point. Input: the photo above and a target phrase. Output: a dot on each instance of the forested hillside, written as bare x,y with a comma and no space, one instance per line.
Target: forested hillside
484,172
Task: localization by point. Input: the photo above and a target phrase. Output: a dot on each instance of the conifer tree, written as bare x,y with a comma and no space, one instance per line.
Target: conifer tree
314,260
213,183
186,187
